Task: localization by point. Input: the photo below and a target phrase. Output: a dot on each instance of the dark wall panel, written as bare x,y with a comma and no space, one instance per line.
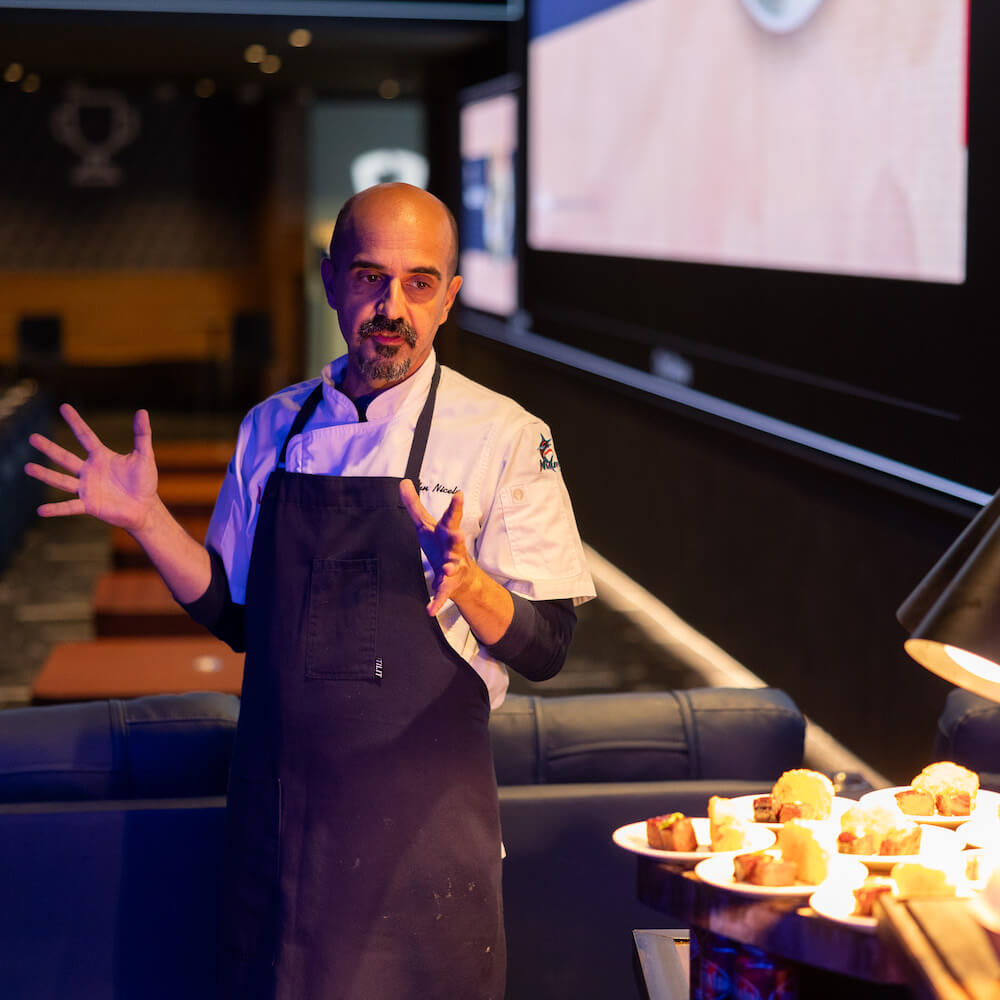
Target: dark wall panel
794,569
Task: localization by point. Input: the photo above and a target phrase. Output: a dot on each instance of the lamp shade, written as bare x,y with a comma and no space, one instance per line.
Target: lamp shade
953,615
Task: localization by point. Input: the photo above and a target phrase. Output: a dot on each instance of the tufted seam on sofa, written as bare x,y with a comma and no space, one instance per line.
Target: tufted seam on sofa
541,759
121,772
683,700
616,745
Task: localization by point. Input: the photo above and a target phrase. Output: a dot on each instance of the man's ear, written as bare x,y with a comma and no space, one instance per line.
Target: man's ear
327,274
449,300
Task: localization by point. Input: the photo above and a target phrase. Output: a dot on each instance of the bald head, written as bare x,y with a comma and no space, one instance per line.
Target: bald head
392,200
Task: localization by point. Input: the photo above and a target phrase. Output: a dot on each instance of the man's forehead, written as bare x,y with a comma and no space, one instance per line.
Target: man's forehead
417,240
397,220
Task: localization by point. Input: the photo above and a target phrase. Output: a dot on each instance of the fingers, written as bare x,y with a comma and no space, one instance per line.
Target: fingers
452,517
61,509
80,428
419,515
52,478
142,431
69,461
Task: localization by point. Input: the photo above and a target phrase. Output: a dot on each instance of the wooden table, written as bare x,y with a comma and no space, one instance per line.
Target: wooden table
136,602
193,456
128,668
190,494
833,959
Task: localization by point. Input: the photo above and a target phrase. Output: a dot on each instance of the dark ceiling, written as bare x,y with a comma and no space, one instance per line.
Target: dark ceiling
346,57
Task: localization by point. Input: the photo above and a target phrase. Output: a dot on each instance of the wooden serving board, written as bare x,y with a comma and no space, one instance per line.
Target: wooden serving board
950,956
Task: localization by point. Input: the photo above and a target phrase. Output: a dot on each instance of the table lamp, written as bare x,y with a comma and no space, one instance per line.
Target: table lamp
953,616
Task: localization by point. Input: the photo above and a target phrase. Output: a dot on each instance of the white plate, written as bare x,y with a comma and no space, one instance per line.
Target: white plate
742,806
633,838
837,903
934,840
986,806
981,833
718,871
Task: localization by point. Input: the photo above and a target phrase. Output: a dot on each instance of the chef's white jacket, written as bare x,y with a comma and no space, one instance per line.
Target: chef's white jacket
517,518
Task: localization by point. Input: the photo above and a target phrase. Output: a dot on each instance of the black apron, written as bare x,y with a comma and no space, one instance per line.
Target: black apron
364,839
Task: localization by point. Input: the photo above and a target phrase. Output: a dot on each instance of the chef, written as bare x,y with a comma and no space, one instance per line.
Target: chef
388,539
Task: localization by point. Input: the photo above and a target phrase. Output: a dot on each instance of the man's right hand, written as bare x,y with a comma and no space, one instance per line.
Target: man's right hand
121,490
117,489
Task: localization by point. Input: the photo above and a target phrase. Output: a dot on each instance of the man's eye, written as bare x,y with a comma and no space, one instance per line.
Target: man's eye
371,279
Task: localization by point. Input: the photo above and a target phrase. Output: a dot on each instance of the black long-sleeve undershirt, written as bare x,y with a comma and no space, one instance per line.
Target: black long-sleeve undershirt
535,643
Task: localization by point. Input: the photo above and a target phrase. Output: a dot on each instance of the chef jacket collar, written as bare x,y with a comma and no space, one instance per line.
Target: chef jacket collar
389,401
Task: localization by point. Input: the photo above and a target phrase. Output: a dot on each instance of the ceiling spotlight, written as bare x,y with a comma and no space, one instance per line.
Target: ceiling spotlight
31,83
13,72
388,89
254,53
300,38
270,64
204,87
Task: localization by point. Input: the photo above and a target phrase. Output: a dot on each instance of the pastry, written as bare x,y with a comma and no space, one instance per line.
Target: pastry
866,893
764,868
727,830
809,791
671,832
915,802
809,845
881,830
952,786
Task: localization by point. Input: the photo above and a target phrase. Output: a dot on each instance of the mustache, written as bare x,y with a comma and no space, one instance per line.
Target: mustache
382,324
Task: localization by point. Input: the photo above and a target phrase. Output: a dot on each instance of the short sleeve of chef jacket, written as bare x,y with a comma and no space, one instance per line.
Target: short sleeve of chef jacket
529,539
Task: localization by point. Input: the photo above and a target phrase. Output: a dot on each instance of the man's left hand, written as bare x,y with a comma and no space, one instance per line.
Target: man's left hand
443,542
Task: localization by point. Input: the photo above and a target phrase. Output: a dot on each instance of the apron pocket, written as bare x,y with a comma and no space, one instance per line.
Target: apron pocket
343,614
253,819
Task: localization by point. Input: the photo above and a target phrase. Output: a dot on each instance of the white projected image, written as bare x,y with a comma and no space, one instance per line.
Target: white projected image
833,140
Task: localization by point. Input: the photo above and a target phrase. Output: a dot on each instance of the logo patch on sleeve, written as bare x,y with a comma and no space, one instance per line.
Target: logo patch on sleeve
546,454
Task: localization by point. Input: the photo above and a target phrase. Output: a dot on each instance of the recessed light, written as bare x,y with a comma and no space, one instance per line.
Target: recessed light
388,89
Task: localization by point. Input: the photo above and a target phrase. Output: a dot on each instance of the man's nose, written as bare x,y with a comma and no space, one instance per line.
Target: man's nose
391,302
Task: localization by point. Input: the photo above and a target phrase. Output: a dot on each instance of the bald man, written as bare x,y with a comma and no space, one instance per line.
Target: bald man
390,537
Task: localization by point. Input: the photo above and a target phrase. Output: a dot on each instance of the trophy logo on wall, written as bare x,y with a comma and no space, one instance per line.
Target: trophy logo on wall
95,124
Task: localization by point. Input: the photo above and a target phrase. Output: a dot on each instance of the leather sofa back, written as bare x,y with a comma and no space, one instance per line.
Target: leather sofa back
699,733
158,747
968,733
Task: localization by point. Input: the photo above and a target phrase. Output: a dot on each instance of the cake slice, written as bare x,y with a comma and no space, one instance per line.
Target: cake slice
671,832
915,802
727,829
764,868
913,879
866,893
952,786
808,845
810,789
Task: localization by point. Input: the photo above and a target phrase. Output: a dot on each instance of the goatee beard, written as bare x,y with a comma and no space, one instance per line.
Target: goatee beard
383,368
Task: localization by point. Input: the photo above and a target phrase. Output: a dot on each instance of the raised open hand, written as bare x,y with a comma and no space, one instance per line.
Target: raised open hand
117,489
443,542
